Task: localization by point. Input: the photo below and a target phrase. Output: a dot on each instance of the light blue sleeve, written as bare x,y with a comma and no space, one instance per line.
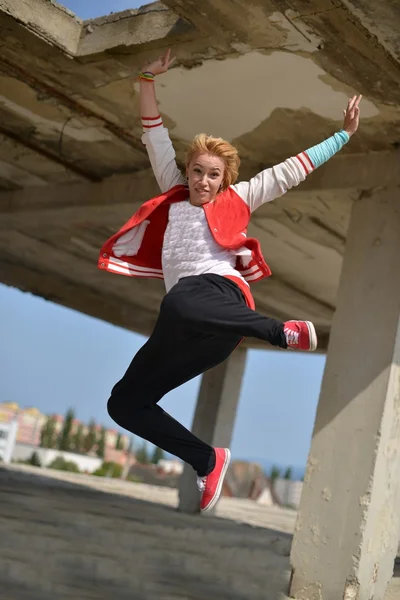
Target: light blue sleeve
322,152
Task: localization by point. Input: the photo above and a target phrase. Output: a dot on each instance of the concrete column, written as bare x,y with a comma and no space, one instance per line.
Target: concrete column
214,418
347,528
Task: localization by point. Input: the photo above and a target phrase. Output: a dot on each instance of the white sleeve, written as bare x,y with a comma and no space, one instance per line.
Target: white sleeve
274,182
162,158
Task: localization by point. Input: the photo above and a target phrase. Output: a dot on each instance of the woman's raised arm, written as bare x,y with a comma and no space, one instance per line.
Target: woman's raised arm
276,181
156,139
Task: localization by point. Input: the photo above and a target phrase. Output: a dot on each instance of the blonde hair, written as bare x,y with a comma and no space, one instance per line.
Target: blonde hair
206,144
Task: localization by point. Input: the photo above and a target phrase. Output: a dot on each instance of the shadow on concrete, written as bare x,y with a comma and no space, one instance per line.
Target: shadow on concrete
65,540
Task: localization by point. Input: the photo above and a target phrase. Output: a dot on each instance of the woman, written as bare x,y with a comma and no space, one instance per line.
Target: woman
194,237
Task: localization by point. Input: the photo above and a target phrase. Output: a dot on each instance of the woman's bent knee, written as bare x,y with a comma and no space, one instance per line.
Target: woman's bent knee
126,409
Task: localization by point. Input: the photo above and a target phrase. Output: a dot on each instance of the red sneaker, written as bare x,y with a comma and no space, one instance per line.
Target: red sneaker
211,485
300,335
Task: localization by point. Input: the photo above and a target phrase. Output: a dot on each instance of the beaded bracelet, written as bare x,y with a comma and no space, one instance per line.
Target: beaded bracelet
146,76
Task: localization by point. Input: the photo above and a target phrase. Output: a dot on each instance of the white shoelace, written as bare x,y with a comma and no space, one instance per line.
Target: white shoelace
201,483
292,337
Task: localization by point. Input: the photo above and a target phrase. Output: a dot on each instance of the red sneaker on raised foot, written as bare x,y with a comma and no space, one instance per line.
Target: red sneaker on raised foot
211,485
300,335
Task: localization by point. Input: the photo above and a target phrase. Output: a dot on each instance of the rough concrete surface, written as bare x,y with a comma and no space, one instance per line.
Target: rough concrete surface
75,536
277,74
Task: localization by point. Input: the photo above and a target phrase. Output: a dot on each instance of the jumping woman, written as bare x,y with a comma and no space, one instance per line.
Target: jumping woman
194,237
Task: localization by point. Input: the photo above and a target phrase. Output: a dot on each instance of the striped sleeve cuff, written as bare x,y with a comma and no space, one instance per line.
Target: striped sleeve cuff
151,122
306,162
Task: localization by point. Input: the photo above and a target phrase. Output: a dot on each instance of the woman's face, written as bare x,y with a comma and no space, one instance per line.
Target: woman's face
205,174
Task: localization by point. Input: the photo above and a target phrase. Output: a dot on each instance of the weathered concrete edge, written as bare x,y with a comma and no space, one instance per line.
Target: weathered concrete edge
47,19
134,27
58,26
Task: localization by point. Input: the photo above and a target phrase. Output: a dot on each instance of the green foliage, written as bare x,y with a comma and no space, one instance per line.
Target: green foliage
61,464
34,460
130,445
157,455
109,469
135,478
77,439
275,474
48,437
118,445
65,437
90,438
142,455
101,444
288,473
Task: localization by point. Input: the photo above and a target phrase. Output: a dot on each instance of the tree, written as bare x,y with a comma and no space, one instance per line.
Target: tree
109,469
288,473
34,460
48,436
77,439
101,444
142,455
61,464
275,474
158,455
90,437
118,445
131,445
65,437
128,459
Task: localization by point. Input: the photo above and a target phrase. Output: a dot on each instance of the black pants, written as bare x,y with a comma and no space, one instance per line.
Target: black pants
202,319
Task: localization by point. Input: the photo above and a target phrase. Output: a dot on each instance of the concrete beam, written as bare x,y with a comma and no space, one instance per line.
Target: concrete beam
233,20
362,172
356,171
151,23
42,269
81,271
37,161
136,187
233,15
214,418
50,21
59,285
349,516
349,50
55,287
58,26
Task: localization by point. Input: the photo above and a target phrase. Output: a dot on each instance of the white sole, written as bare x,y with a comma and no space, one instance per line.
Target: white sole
220,483
313,335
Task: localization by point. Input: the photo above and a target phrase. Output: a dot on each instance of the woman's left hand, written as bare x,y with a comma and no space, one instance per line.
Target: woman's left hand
352,115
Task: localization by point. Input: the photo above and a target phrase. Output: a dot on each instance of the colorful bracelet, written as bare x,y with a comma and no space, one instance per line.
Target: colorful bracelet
146,76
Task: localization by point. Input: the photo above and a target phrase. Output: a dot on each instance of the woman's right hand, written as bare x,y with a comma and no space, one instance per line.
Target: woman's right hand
161,65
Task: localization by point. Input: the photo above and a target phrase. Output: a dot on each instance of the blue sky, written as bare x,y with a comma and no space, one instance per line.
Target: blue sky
90,9
54,358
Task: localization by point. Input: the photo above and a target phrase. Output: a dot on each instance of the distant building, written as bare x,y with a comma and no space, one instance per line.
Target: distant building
246,480
8,434
30,422
175,467
288,493
85,463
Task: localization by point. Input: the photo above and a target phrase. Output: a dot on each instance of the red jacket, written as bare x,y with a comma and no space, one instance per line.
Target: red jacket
228,218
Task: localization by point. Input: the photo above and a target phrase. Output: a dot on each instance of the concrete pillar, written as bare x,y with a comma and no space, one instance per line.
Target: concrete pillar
347,528
214,418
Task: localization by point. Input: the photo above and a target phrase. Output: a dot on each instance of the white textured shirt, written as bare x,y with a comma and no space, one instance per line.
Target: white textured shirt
189,247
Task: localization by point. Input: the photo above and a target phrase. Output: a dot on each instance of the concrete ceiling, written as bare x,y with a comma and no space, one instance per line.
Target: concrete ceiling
272,76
